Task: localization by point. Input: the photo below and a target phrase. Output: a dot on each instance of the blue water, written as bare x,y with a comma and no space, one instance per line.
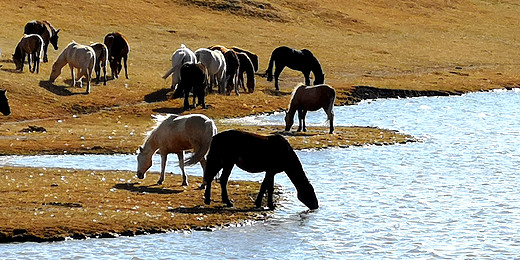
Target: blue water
455,194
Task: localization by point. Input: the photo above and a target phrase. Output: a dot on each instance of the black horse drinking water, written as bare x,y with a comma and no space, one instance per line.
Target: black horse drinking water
303,61
255,153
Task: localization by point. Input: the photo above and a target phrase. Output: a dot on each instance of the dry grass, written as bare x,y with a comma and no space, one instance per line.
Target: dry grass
444,45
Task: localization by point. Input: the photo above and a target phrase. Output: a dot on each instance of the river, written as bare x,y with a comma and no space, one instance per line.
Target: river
455,194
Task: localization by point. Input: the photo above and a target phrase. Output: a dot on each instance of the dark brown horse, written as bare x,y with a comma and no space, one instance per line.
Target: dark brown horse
246,66
46,31
232,66
303,61
253,57
101,61
4,103
193,77
310,98
254,153
32,45
118,48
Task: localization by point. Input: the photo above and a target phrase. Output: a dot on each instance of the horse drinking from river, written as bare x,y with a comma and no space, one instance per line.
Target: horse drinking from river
77,56
46,31
303,61
175,135
254,153
32,45
310,98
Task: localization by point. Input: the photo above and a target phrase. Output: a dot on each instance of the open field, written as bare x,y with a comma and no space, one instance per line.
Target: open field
437,46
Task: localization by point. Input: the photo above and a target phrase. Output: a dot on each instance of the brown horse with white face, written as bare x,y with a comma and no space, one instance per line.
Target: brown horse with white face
254,153
310,98
48,33
118,48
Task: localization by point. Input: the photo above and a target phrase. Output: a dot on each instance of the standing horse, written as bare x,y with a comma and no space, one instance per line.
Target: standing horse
215,64
246,66
255,153
232,66
101,61
46,31
118,49
4,103
32,45
194,77
179,58
175,135
303,61
77,56
310,98
253,57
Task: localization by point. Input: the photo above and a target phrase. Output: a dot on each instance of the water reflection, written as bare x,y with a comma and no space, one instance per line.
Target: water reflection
455,195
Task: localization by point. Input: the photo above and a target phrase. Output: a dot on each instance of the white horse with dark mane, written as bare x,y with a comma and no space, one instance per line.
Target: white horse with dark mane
77,56
175,135
216,65
180,57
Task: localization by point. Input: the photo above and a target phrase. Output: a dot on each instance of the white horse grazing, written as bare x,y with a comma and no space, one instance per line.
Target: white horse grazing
175,135
216,65
179,57
77,56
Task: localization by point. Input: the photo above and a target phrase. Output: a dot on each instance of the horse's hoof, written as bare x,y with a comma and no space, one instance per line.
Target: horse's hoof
229,204
207,201
160,182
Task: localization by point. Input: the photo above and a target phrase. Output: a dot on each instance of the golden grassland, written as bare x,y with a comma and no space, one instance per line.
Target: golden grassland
449,46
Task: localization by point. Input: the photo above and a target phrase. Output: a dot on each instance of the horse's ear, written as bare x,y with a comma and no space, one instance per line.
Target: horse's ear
57,31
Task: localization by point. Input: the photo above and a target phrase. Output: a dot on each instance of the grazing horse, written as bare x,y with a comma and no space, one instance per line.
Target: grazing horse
215,64
254,153
4,103
253,57
303,61
180,57
193,77
101,61
232,66
310,98
32,45
77,56
175,135
46,31
118,49
246,66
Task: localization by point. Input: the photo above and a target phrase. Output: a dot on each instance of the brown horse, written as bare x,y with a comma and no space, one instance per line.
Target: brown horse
246,66
101,61
232,66
32,45
305,98
254,153
118,48
46,31
253,57
4,103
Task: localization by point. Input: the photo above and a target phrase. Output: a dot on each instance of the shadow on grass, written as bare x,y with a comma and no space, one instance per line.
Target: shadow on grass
144,189
214,210
158,96
58,90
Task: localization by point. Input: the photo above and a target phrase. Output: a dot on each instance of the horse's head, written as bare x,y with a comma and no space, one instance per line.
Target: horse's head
289,121
55,72
143,164
307,196
4,104
54,39
18,62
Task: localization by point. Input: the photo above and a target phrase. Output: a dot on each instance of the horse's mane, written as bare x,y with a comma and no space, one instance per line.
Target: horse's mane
293,93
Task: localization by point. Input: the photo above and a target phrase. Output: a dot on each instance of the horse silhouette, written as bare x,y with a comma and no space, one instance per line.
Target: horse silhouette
48,33
303,61
118,48
175,135
254,153
193,77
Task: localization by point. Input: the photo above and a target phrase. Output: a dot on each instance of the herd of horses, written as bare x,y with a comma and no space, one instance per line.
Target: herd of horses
198,72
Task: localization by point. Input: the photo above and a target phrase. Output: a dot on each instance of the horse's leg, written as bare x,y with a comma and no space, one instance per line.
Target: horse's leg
203,165
277,71
29,55
266,185
330,117
186,99
105,74
73,75
304,114
126,68
180,155
37,62
300,120
163,168
45,46
223,184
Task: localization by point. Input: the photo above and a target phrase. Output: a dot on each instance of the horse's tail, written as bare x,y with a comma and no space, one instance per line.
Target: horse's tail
209,131
168,73
269,71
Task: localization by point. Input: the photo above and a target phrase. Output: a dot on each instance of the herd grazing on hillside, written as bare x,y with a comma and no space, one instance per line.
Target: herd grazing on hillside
207,69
